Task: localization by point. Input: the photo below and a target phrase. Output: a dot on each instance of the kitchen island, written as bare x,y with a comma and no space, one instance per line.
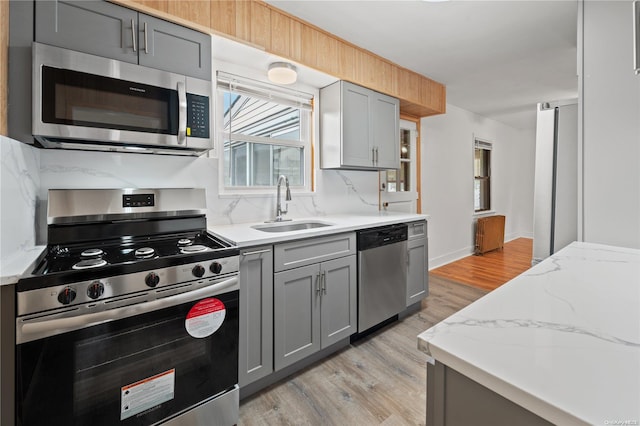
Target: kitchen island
558,344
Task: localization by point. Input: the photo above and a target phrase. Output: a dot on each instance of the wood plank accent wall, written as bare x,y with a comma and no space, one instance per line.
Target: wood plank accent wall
273,30
4,64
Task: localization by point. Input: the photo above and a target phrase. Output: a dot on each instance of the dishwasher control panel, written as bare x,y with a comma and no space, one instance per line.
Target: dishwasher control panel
382,236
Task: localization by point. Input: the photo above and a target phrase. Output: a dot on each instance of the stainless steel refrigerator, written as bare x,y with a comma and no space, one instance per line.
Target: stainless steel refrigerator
555,219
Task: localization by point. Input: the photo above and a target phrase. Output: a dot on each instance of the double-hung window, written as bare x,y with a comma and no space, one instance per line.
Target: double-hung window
264,133
482,173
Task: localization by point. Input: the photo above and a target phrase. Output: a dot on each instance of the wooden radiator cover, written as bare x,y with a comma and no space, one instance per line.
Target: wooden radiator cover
489,233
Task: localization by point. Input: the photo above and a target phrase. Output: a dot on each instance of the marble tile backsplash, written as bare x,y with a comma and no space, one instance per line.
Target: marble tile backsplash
19,180
31,172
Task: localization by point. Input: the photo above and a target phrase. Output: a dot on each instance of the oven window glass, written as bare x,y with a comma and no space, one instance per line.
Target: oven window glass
81,99
80,377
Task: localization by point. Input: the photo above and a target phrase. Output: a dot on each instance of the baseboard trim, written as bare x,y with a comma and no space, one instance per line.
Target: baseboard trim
436,262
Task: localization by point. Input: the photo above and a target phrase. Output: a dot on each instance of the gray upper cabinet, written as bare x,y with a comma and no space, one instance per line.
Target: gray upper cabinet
171,47
418,254
98,28
315,303
359,128
255,351
112,31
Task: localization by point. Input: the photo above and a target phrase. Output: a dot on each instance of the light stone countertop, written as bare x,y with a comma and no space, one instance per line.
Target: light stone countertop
13,267
561,340
243,235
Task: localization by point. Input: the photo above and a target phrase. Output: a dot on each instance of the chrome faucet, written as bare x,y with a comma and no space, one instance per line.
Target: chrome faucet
279,211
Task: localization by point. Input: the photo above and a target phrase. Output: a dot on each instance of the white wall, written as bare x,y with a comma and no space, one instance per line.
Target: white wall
447,180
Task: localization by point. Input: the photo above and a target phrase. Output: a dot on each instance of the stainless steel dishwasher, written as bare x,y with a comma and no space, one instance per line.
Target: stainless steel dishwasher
382,274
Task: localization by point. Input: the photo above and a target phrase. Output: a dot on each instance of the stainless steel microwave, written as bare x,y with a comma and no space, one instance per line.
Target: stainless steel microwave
87,102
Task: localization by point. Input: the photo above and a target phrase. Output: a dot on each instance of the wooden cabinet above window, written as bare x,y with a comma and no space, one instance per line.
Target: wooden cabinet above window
271,29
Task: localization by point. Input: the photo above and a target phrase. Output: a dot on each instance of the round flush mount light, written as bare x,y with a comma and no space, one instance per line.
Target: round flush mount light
282,73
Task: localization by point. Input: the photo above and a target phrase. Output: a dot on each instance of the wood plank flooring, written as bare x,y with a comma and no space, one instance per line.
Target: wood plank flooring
492,269
379,380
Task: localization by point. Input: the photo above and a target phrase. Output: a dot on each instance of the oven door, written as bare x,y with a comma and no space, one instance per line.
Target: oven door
174,354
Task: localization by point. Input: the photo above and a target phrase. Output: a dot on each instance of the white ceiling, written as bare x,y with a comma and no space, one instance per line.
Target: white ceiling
497,58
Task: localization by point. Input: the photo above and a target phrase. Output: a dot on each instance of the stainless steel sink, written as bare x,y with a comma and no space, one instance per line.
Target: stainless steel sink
290,226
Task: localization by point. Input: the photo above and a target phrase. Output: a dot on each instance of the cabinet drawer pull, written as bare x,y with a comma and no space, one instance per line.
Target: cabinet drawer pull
249,253
133,35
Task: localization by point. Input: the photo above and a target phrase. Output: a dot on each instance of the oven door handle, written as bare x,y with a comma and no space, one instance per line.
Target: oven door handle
28,330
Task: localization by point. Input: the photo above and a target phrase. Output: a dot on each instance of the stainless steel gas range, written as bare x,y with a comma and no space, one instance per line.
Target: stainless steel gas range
131,315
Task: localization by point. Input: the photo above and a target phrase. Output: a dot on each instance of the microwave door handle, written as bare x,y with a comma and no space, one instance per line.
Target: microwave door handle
182,113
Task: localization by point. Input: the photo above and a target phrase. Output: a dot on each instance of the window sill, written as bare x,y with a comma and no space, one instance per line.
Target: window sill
484,213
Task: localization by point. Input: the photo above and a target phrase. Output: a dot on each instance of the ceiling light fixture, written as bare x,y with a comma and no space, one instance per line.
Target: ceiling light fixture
282,73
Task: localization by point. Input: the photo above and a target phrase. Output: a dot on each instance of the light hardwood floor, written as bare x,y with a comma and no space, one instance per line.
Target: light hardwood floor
492,269
379,380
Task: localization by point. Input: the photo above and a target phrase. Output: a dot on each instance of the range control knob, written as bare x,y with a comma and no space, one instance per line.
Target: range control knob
216,267
95,289
67,295
152,279
198,271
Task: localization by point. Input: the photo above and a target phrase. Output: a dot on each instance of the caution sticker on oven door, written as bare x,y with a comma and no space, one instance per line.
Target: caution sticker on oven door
147,393
205,317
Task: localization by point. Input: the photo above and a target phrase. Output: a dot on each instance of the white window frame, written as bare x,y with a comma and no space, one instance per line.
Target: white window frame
486,145
269,92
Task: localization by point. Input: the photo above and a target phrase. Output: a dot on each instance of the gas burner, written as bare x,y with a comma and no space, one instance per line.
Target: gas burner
94,252
193,249
90,263
182,242
144,252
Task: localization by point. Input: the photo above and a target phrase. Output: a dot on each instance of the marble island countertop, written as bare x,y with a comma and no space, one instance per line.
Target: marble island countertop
561,340
244,235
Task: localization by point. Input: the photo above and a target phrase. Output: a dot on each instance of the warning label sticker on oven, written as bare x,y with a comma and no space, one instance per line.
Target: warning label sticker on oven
205,317
147,393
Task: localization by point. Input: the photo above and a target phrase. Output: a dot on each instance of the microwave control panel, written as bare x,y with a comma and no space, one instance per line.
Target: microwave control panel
197,116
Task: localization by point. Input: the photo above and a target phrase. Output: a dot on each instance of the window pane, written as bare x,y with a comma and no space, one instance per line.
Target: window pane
245,115
288,161
405,144
481,194
405,174
481,162
259,163
239,165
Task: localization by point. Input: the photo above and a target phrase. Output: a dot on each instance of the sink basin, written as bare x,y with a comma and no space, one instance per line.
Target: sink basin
290,226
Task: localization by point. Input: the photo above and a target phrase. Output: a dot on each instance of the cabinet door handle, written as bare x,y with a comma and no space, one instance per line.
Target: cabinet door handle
318,283
182,113
373,155
249,253
146,45
323,279
133,35
377,156
636,36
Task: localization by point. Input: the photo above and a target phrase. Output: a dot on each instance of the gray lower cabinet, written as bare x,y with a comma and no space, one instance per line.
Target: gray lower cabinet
112,31
256,314
314,307
418,255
